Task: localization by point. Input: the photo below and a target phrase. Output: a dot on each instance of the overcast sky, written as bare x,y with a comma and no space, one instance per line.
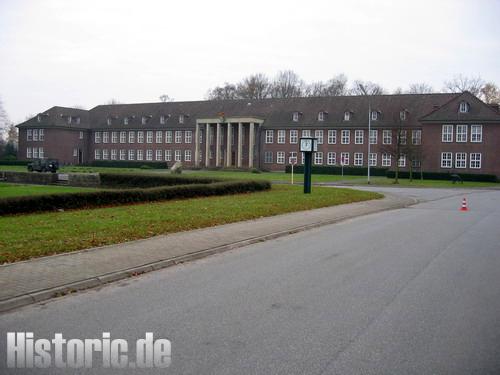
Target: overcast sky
85,52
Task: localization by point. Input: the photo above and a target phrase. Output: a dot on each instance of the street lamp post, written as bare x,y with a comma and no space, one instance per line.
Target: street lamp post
369,134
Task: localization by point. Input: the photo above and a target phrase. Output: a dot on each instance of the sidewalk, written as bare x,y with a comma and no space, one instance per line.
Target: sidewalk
31,281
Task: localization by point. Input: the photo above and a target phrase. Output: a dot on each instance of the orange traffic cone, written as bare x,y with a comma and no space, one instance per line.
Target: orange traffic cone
464,205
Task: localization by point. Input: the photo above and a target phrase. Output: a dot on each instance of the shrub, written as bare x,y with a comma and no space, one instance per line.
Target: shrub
254,170
128,164
445,176
52,202
130,180
13,162
335,170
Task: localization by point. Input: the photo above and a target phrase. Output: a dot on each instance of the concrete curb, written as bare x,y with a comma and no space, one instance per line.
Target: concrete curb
101,280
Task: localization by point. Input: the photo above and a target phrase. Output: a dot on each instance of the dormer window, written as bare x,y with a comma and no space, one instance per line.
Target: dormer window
162,119
295,116
108,120
402,115
374,115
144,120
125,121
39,118
77,120
70,119
347,116
321,115
464,107
181,119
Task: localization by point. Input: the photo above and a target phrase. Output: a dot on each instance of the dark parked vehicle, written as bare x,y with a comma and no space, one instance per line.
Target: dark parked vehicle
44,165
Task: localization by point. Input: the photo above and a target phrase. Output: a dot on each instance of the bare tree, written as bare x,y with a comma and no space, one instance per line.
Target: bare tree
255,86
226,92
4,120
396,150
287,84
420,88
490,93
335,86
165,98
461,83
366,88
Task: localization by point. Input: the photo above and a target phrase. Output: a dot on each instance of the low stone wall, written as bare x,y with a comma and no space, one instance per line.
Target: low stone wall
72,179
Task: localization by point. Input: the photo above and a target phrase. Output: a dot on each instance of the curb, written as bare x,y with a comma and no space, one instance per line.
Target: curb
101,280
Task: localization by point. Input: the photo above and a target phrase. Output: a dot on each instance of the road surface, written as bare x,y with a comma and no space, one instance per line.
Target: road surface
410,291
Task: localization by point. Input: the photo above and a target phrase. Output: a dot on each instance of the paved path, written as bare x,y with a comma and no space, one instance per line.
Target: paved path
406,291
39,279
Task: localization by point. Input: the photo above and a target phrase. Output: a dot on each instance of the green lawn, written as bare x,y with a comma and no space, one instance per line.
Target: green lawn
16,190
27,236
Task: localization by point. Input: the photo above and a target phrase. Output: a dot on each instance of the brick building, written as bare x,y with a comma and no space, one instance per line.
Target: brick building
443,132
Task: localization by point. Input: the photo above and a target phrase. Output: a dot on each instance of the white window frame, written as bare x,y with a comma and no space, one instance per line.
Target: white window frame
187,155
374,115
318,158
321,116
416,137
294,137
269,136
347,116
168,155
387,137
331,158
105,154
281,136
41,135
344,158
403,137
41,152
123,137
114,154
318,134
105,137
162,120
306,133
402,161
29,135
114,137
29,152
332,137
359,136
168,136
159,136
373,136
81,135
140,154
131,137
280,157
140,136
35,135
475,160
358,159
123,154
149,155
372,159
446,160
97,154
178,136
476,133
131,154
447,133
295,116
177,155
181,119
97,137
159,155
188,136
149,136
460,160
386,160
464,107
125,122
461,133
268,157
345,138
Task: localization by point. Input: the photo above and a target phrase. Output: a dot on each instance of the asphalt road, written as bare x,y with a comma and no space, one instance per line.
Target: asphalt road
410,291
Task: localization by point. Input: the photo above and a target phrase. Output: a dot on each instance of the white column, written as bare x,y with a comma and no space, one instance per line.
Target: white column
207,146
240,144
197,145
217,146
251,142
229,160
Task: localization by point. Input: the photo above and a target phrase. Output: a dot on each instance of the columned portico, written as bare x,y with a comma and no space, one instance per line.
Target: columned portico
225,159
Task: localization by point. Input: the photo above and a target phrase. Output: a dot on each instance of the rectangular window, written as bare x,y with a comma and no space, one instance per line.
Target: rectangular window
344,158
187,155
373,136
149,155
331,158
281,136
386,160
113,154
332,137
105,154
29,135
269,136
168,155
346,137
41,153
114,137
108,121
123,137
402,161
416,137
294,136
178,136
140,137
131,137
387,137
125,122
476,133
35,153
168,136
123,154
402,137
144,120
29,153
416,163
447,133
97,154
268,157
461,135
372,159
35,134
318,158
177,155
460,160
181,120
358,159
131,154
97,137
140,155
188,136
75,152
162,119
159,154
306,134
475,160
149,136
295,116
159,136
358,138
81,135
318,134
446,159
280,157
105,137
41,136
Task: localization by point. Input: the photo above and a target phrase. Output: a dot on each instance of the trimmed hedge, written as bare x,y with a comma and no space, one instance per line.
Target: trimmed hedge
129,180
50,202
14,162
445,176
335,170
129,164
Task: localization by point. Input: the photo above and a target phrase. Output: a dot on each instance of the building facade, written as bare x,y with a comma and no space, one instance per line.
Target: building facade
455,133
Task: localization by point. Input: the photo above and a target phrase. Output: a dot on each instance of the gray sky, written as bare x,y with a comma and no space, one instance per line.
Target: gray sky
85,52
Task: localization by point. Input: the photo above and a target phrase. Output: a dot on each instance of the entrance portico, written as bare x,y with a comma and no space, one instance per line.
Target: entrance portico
234,129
